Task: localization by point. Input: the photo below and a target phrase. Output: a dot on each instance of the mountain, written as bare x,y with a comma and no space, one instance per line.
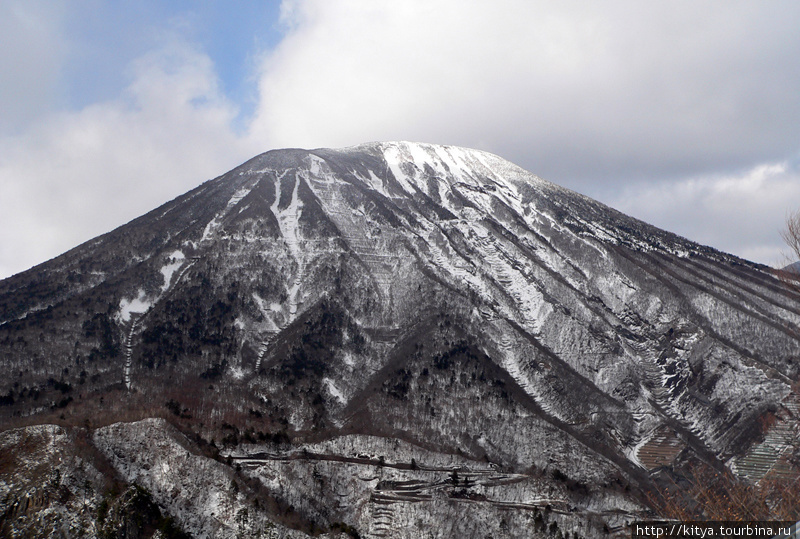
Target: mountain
794,268
389,340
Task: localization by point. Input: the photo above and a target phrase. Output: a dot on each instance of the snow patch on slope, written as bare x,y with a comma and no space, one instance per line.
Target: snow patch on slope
289,223
211,227
335,391
177,258
139,304
394,159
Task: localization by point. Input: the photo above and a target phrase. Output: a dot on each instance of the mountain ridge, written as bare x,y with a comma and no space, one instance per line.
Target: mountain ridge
435,295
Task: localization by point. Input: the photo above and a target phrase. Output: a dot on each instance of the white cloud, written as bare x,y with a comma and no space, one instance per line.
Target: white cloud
740,213
574,91
78,174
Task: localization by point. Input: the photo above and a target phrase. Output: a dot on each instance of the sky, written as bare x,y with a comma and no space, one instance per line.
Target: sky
683,114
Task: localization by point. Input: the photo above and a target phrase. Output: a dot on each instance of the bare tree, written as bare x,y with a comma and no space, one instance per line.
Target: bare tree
791,235
707,494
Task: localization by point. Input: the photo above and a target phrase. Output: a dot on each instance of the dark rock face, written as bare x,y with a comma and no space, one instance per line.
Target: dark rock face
436,296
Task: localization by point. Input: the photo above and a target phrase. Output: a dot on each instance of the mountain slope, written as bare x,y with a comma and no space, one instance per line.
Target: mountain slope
434,295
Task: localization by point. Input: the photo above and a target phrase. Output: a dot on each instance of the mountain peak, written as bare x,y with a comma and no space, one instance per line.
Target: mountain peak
394,303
